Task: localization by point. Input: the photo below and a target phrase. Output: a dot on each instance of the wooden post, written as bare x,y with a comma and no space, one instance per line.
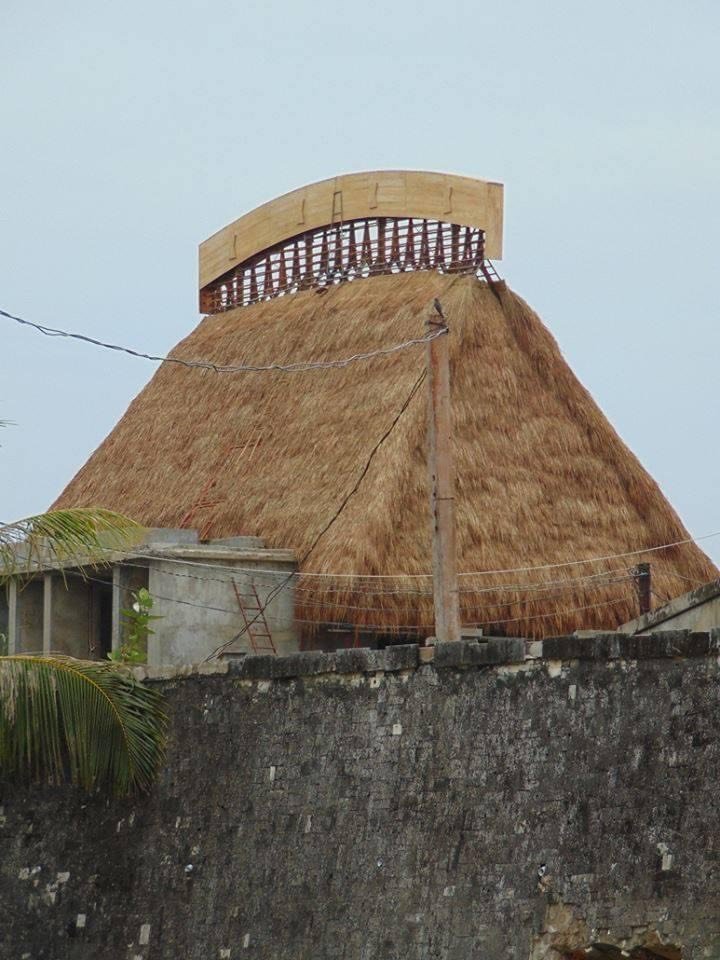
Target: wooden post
643,585
442,483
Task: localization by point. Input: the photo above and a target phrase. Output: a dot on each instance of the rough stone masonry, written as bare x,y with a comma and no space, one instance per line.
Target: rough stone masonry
504,800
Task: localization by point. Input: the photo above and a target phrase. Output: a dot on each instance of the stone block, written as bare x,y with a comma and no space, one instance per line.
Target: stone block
472,653
253,667
401,657
599,646
302,664
503,650
450,654
359,660
650,646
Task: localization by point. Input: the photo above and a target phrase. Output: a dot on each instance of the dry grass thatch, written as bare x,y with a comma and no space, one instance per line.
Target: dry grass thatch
542,476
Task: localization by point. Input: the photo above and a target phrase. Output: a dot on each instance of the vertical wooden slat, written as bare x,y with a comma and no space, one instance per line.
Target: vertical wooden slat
324,253
338,259
424,245
380,256
352,247
296,263
269,285
395,245
282,275
480,252
367,255
454,246
253,285
467,249
308,268
410,245
439,247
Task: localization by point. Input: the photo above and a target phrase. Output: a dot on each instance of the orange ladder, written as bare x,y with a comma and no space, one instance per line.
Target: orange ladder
256,625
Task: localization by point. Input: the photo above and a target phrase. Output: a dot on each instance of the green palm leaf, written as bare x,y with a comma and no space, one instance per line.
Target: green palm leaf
88,723
79,536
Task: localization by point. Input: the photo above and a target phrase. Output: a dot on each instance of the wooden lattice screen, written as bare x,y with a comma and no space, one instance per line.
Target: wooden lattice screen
350,251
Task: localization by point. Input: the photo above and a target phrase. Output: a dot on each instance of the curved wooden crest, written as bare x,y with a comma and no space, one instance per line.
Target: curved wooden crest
390,193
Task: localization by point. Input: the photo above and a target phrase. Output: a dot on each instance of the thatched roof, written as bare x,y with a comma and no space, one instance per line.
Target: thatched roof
542,477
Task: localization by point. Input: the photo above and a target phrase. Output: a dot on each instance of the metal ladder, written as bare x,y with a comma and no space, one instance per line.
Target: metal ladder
256,625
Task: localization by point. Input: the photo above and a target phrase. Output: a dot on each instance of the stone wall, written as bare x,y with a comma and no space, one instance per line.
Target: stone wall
502,800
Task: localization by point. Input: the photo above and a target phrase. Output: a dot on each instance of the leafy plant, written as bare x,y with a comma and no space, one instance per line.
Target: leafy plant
62,719
137,620
86,722
81,536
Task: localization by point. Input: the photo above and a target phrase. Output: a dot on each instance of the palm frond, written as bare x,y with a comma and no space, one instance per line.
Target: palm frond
87,723
79,536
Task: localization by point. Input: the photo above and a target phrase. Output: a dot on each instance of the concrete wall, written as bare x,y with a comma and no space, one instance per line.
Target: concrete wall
197,607
75,618
506,801
200,611
29,617
699,609
703,617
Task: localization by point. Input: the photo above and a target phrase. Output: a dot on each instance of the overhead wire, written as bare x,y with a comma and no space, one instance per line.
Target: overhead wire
322,603
426,576
365,626
338,511
299,366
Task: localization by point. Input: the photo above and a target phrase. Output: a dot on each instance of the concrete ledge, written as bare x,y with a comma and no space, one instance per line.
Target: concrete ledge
301,664
650,646
402,657
359,660
490,651
671,643
471,653
599,646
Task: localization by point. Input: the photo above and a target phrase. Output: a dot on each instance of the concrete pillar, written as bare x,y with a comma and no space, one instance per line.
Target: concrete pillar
117,603
154,657
12,616
47,613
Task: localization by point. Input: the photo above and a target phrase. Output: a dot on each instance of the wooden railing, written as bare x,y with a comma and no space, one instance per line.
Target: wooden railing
350,251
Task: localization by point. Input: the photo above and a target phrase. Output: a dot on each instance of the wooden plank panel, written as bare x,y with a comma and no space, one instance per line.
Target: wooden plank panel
386,193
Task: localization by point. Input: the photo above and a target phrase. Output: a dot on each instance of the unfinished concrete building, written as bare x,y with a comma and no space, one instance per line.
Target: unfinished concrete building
204,596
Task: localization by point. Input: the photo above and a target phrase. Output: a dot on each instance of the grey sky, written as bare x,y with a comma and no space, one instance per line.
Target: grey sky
130,132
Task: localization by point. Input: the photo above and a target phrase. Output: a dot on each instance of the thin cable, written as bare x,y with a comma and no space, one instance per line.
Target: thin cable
542,566
553,594
273,593
300,366
476,573
361,476
365,626
589,580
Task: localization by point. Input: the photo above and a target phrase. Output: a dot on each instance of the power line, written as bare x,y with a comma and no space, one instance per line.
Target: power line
364,626
425,576
300,366
542,566
322,603
273,593
361,476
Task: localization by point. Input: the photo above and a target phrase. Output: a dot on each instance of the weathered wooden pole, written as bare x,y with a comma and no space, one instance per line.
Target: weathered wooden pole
643,585
442,482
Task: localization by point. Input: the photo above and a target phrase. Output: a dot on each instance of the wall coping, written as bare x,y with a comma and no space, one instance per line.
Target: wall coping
467,654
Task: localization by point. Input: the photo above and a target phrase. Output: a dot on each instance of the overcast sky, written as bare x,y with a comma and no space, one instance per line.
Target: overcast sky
130,132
